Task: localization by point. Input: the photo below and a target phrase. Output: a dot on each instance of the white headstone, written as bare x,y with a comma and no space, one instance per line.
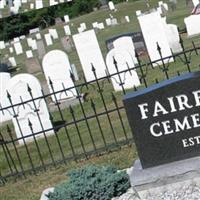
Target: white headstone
125,44
138,13
124,62
66,18
95,25
29,54
11,50
4,115
154,33
17,88
38,4
56,66
67,30
195,2
2,45
101,26
48,39
18,48
83,25
111,5
12,61
53,33
108,22
192,26
31,6
38,36
127,18
34,45
89,53
173,37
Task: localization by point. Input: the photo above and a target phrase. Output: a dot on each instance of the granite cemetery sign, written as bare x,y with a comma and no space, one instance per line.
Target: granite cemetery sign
165,120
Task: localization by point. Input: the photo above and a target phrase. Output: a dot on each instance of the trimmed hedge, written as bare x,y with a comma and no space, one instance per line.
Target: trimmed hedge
92,183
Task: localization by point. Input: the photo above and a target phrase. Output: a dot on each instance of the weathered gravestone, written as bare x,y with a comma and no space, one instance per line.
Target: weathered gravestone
124,61
18,91
67,43
89,53
165,122
33,65
41,49
56,67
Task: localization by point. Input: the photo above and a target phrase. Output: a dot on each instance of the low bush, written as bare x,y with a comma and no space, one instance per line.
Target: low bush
92,183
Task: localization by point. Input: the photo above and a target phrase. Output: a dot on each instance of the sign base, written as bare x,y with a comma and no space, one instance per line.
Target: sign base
165,178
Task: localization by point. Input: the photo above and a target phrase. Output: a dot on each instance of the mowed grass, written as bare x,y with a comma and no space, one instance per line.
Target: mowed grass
31,188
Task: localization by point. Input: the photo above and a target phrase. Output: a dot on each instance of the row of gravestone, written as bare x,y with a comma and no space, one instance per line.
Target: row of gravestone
15,6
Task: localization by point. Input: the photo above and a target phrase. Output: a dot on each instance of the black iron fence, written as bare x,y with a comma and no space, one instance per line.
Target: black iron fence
96,124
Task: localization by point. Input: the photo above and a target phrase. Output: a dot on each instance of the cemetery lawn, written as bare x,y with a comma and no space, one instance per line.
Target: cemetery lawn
31,188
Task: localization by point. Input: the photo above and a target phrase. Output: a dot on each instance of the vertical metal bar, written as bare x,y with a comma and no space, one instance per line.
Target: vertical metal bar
36,143
40,121
104,104
83,111
63,119
77,129
118,73
16,151
98,122
165,70
20,130
119,114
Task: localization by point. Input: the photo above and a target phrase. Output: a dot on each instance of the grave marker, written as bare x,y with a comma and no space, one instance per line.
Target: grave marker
56,66
89,53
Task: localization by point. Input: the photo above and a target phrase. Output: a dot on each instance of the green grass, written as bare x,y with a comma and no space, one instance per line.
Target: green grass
31,188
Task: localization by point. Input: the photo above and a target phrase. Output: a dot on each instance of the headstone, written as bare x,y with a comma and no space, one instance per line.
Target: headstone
17,88
2,45
111,5
41,49
124,61
165,120
4,115
12,61
56,66
95,25
89,53
173,38
154,33
34,30
29,54
66,18
18,48
75,72
32,6
108,22
67,30
195,2
34,45
125,43
38,36
101,26
33,66
11,50
48,39
83,25
53,33
191,25
38,4
127,19
114,22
